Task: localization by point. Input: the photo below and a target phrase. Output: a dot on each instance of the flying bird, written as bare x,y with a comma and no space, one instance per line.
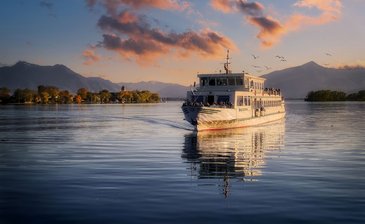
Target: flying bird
328,54
267,67
280,57
254,56
256,66
283,59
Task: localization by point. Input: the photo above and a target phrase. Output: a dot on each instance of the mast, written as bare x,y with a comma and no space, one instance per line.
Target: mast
226,65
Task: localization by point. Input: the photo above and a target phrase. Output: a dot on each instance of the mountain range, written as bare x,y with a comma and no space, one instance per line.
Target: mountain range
294,82
26,75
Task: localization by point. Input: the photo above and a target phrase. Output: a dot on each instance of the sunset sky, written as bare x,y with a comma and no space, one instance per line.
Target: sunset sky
173,40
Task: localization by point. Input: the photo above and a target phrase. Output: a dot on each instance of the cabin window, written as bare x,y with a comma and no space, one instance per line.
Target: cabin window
239,81
231,81
212,81
221,81
223,100
240,100
203,81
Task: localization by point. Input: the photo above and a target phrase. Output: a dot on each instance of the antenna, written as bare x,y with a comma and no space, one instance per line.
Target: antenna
226,65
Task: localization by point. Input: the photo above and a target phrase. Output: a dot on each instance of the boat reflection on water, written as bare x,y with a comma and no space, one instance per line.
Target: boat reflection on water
237,153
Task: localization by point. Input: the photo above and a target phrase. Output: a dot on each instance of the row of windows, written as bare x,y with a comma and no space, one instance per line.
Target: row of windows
241,101
271,103
256,85
221,81
246,101
211,99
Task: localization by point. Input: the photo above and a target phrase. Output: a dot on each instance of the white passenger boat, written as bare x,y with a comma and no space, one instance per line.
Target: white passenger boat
232,100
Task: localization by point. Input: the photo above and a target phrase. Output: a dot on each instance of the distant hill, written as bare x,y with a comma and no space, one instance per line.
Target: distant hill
296,82
26,75
164,89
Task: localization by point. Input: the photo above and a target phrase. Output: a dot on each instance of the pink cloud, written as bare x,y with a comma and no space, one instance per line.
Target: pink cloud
135,38
112,6
271,30
90,56
225,6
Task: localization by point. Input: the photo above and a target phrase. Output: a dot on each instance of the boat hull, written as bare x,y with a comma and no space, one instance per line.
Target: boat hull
206,118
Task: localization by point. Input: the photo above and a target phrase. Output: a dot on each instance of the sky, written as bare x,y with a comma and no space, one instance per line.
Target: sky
174,40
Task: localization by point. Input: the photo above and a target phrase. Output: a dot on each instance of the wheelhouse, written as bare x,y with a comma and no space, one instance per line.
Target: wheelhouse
229,90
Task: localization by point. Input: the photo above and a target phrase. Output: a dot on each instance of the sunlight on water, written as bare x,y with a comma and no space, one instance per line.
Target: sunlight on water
145,164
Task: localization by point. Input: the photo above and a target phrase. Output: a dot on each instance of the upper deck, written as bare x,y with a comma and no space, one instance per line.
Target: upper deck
230,82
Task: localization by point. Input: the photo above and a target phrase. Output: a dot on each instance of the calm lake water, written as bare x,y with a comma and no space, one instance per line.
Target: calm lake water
144,164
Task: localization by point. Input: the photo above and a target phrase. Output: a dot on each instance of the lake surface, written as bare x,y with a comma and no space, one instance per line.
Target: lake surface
144,164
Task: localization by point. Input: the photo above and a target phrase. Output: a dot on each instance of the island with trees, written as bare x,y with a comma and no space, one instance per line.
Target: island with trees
54,95
329,95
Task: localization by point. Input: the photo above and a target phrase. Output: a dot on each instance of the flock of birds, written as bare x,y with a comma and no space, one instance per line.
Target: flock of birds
281,58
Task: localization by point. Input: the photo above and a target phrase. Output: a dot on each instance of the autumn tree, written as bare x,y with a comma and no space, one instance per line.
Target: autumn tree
83,93
77,99
65,97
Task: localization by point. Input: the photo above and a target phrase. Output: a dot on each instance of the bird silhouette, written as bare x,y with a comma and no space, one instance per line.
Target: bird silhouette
254,56
328,54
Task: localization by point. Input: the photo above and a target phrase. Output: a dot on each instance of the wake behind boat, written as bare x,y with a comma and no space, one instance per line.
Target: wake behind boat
232,100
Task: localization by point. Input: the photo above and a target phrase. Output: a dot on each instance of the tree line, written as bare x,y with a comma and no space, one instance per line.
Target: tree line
54,95
328,95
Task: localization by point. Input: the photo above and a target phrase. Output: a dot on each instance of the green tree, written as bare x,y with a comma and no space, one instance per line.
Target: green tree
4,95
104,96
326,95
125,97
155,98
52,91
24,96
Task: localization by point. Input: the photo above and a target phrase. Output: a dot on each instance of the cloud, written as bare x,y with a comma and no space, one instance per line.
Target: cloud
112,6
46,4
250,8
90,56
271,30
225,6
49,6
134,37
332,6
330,10
351,67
